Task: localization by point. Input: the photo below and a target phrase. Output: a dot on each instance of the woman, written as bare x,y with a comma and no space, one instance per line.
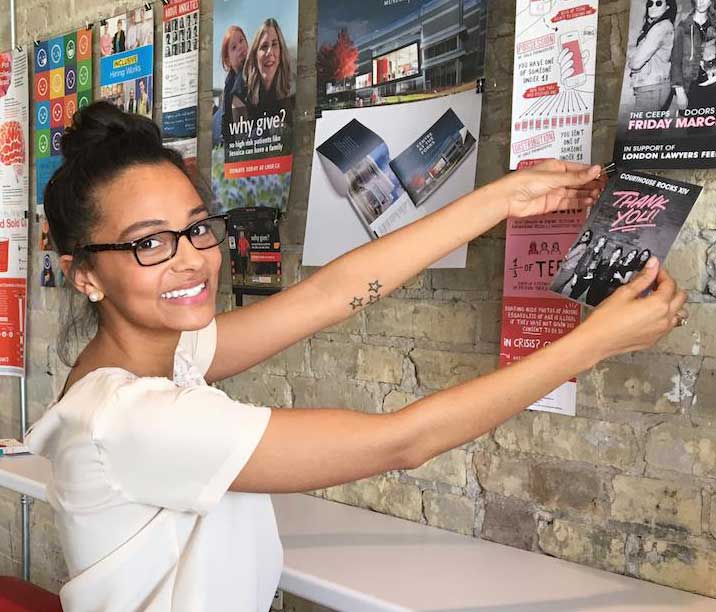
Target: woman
267,73
233,56
586,267
105,41
626,268
650,60
601,286
568,267
694,43
159,481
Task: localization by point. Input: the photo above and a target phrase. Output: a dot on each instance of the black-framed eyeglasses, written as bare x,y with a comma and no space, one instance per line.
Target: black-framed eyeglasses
159,247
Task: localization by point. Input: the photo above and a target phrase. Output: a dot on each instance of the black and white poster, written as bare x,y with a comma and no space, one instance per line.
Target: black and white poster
637,216
667,112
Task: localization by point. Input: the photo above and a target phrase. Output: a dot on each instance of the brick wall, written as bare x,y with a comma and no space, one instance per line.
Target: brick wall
628,485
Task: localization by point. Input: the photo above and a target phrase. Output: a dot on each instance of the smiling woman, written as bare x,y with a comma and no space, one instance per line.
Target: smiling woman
145,524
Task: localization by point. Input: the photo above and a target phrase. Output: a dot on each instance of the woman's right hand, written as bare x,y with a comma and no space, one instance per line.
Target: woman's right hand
627,321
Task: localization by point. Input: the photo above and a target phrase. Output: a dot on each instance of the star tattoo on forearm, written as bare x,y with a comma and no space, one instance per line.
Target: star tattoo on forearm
356,303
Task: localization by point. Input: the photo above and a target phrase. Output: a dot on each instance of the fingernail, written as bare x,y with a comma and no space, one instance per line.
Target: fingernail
652,263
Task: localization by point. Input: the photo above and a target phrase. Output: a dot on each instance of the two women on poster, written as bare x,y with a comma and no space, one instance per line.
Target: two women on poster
258,77
669,94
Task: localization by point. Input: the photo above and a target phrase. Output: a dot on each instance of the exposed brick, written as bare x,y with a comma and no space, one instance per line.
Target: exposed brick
682,449
447,511
656,503
572,438
583,544
449,468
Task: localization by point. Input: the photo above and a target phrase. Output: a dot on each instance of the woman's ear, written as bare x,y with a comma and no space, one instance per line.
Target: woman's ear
81,278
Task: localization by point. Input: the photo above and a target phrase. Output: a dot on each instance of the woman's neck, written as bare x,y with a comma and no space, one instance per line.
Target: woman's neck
701,18
141,352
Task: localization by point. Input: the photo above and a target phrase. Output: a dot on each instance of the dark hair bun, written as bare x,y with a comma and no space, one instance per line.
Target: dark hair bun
102,124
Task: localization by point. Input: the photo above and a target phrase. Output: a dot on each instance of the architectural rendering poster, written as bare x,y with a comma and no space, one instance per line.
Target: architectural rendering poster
14,195
637,216
63,84
254,76
532,316
667,112
373,171
180,76
553,90
127,63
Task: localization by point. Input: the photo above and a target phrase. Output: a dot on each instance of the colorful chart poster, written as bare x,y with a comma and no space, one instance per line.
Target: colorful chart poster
14,195
637,216
667,111
374,172
63,84
127,61
553,89
532,316
180,76
254,75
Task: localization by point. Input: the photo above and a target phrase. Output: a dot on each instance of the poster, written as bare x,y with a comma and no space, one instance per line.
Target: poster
180,76
553,89
373,171
255,249
14,195
63,84
667,110
127,61
254,77
532,316
637,216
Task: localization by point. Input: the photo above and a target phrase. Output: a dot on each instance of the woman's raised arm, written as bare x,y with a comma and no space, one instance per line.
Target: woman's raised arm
249,335
315,448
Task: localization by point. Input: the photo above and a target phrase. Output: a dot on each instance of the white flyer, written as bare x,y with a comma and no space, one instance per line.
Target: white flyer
553,88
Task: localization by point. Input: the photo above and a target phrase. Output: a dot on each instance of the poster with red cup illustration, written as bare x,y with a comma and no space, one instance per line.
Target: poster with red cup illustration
14,191
532,316
553,89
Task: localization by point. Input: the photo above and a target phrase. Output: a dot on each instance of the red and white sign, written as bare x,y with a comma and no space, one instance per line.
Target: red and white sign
532,316
14,192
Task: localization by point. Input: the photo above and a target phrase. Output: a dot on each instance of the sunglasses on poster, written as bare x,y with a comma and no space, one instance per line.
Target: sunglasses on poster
656,3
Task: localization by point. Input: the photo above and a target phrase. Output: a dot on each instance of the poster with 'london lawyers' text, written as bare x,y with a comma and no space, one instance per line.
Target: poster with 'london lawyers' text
532,316
14,195
180,76
254,89
667,111
126,45
63,84
398,107
553,88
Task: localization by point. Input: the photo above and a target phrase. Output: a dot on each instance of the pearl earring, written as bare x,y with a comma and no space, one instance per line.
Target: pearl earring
95,296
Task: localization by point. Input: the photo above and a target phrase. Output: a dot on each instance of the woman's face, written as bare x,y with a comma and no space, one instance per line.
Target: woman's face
238,48
615,256
142,200
644,256
601,242
268,55
702,6
630,257
656,8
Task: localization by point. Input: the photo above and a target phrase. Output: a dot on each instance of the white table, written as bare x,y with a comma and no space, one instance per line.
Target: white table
360,561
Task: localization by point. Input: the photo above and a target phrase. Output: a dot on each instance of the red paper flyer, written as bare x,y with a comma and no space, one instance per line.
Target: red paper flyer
532,316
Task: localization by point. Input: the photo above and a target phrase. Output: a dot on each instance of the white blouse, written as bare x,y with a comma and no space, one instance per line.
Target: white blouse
140,472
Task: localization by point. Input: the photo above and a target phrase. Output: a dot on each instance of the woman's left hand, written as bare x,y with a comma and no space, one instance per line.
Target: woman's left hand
550,186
